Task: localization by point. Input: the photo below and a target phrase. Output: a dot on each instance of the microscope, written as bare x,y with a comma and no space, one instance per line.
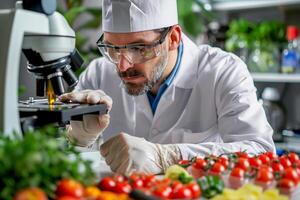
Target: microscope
47,41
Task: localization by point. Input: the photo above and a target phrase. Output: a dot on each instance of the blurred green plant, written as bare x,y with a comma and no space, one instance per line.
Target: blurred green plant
73,11
193,16
39,159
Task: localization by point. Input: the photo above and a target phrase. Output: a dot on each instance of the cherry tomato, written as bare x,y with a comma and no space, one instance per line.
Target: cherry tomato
122,188
68,198
243,163
286,163
237,172
224,161
30,193
264,176
293,157
163,192
271,155
91,192
241,154
255,162
217,168
277,166
138,183
68,187
119,178
184,162
107,184
176,185
200,164
286,184
149,180
291,174
182,193
195,189
264,159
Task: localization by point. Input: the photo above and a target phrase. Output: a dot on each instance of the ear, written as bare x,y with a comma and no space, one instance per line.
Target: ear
174,37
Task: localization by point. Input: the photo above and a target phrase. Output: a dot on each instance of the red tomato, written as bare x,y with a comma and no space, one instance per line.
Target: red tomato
293,157
195,189
163,192
138,183
285,161
119,178
291,174
264,176
182,193
264,159
68,187
31,194
237,172
255,162
184,162
277,167
241,154
149,180
243,163
224,161
286,184
176,185
200,164
67,198
271,155
107,184
122,188
217,168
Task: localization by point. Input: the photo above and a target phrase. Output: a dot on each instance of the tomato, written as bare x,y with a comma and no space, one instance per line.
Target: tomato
264,159
91,192
224,161
69,187
195,189
122,188
255,162
271,155
149,180
138,183
217,168
237,172
286,184
184,162
119,178
241,154
68,198
291,174
182,193
176,185
163,192
243,163
107,184
264,176
31,194
277,166
200,164
285,161
293,157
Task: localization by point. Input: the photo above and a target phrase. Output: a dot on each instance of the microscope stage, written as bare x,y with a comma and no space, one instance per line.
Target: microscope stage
59,112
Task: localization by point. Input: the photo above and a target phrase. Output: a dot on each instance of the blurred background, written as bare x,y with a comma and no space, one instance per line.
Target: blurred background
263,33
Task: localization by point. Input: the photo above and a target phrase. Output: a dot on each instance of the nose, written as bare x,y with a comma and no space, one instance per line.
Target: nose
124,63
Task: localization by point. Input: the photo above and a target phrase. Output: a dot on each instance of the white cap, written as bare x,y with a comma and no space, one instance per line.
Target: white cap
125,16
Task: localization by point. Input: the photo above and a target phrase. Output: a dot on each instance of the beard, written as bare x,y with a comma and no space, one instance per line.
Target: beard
155,76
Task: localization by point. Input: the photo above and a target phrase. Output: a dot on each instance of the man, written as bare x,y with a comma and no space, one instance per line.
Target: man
172,99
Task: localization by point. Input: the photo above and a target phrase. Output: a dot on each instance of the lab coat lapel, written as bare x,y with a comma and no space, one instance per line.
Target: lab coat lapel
143,106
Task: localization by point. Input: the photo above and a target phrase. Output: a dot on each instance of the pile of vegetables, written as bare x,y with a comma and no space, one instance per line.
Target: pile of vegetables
39,160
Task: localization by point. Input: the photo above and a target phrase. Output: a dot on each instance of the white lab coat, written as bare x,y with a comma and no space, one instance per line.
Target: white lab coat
211,106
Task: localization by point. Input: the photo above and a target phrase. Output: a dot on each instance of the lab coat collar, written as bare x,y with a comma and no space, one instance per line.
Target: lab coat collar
187,75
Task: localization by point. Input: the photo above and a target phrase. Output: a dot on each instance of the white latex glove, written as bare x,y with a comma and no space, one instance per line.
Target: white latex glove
86,132
125,153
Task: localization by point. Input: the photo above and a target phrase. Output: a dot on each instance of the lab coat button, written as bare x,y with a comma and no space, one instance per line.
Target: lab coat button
155,131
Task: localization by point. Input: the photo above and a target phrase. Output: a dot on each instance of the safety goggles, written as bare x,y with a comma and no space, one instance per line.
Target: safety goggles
134,53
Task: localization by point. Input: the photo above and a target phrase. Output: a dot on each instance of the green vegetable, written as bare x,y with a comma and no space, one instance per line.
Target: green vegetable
39,160
210,186
176,172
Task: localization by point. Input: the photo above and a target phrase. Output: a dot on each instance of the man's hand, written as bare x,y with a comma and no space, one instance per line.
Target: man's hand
125,154
85,132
